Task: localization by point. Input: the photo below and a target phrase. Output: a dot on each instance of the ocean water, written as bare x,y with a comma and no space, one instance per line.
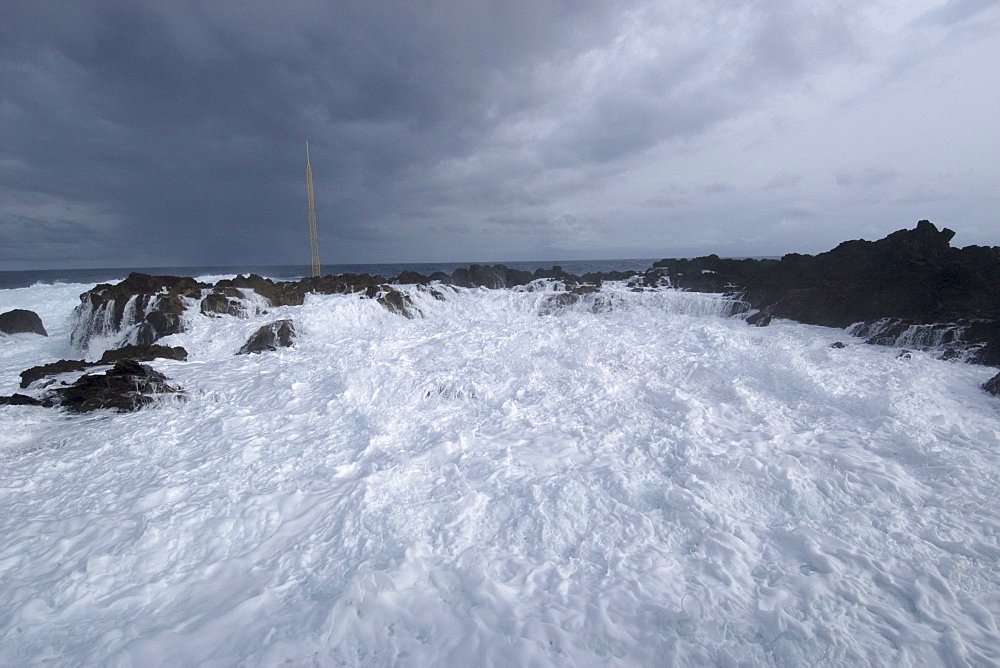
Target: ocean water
22,279
634,480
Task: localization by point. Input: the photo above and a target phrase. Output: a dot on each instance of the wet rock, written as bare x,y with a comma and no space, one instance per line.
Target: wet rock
139,309
993,385
560,301
913,276
342,284
411,278
29,376
481,276
279,334
759,319
128,386
225,301
396,302
838,344
283,293
21,321
144,354
163,318
20,400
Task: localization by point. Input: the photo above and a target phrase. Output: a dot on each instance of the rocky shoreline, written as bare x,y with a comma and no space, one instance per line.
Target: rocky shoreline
910,289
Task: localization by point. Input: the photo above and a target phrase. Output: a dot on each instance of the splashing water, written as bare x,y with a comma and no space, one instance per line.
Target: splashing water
647,483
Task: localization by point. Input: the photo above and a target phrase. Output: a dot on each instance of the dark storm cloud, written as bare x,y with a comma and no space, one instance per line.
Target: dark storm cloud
187,120
159,133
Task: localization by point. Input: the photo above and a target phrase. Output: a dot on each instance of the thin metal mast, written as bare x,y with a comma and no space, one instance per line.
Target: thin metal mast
313,239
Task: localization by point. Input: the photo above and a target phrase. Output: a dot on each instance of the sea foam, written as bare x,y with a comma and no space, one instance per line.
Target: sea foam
500,483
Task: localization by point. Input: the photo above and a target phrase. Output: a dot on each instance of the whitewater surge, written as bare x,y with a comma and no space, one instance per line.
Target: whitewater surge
629,479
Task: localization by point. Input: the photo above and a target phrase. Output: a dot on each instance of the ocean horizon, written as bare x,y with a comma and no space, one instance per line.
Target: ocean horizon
28,277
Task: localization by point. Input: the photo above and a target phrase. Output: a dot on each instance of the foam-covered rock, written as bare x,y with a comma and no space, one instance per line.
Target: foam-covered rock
29,376
278,334
139,310
128,386
993,385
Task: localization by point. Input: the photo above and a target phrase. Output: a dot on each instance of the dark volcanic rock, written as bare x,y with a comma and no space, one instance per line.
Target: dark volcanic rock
29,376
597,303
21,321
279,334
163,318
126,387
759,319
278,294
411,278
497,276
992,385
148,307
20,400
144,354
396,302
911,276
225,301
342,284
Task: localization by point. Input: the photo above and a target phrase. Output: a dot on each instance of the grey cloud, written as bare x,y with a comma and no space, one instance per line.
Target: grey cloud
783,180
865,178
954,11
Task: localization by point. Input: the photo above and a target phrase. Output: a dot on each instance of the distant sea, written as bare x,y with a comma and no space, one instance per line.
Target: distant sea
23,279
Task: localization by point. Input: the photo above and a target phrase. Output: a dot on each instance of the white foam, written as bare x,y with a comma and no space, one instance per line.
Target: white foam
648,484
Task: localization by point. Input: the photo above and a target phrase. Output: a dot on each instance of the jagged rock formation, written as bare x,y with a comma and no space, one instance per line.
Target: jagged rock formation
21,321
561,301
128,386
396,302
144,354
910,288
226,301
139,310
134,353
279,334
29,376
20,400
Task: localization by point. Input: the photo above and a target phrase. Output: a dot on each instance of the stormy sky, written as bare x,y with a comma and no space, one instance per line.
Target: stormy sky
155,133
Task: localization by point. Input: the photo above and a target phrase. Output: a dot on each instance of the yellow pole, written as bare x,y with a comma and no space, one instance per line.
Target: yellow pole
313,239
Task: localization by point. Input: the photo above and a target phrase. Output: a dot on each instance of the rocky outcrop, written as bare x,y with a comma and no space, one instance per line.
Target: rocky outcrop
909,284
276,293
588,297
411,278
993,385
279,334
35,373
144,354
396,302
128,386
134,353
20,400
139,310
481,276
21,321
226,301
